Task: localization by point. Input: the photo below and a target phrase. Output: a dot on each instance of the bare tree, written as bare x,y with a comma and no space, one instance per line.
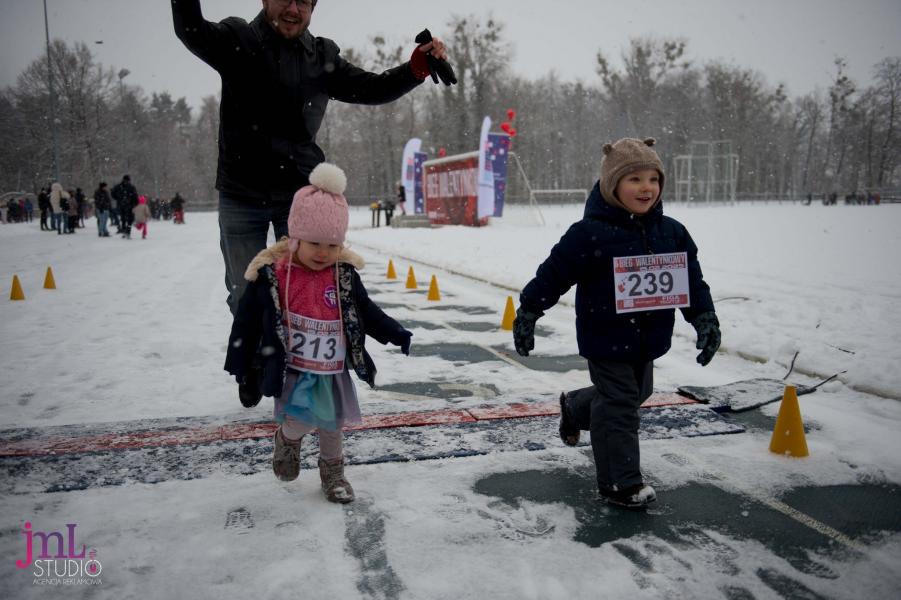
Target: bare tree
888,91
646,66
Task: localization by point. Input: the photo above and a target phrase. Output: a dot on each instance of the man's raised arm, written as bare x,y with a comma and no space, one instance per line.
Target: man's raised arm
205,39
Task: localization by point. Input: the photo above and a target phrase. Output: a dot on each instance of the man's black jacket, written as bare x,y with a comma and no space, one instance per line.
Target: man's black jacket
274,95
102,200
126,196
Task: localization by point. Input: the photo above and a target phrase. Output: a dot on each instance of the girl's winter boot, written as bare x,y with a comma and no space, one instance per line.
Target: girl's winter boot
335,486
286,457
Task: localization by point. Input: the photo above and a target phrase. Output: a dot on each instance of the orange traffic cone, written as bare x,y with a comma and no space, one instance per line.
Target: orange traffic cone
391,274
509,315
788,435
16,292
49,283
411,280
434,294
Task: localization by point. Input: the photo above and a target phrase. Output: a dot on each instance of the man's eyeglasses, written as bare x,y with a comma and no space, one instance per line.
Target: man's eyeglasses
301,4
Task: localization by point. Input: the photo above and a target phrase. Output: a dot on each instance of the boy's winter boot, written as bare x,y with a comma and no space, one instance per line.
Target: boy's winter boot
569,433
634,497
286,457
335,486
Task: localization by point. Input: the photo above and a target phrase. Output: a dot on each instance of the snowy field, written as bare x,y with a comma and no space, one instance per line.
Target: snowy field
137,330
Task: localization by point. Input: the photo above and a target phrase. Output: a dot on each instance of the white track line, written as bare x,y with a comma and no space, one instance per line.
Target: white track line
729,485
502,357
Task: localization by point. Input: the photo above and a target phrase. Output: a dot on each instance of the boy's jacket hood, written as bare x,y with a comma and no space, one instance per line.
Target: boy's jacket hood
280,250
596,207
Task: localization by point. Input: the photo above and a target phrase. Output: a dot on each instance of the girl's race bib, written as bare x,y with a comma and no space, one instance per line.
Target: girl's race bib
316,346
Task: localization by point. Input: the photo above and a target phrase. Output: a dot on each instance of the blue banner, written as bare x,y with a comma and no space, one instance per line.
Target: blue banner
418,194
496,155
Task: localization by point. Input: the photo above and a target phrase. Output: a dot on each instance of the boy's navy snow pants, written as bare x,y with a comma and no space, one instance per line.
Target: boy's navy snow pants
609,410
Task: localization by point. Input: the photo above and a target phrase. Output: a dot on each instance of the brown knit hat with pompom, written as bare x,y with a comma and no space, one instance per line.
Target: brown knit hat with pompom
623,157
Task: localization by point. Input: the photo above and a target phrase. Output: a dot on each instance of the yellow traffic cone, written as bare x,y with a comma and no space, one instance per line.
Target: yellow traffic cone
391,274
16,292
788,435
49,283
411,280
509,315
434,294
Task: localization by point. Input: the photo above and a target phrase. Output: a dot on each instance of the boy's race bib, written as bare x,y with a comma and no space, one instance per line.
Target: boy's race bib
315,346
650,282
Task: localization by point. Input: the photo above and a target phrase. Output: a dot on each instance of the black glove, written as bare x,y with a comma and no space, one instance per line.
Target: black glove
708,328
524,330
403,340
249,389
438,67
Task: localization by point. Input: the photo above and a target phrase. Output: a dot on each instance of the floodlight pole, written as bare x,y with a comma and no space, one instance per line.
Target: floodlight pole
53,123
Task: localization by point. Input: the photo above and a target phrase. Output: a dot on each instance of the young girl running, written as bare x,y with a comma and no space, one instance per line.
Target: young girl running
302,323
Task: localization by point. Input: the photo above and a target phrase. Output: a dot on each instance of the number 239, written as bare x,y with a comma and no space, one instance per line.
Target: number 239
654,283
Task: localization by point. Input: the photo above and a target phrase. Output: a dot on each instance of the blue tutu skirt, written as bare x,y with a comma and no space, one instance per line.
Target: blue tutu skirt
323,401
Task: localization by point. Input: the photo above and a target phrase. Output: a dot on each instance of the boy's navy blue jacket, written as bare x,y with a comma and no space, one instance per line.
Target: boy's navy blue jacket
257,328
584,257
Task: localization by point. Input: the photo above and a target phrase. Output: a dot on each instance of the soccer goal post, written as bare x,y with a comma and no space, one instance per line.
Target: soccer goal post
709,172
526,201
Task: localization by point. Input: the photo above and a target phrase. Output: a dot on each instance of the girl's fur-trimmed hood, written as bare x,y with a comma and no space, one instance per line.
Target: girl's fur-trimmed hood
273,254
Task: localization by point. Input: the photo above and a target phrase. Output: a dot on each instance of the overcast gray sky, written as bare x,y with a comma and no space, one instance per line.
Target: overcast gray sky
789,41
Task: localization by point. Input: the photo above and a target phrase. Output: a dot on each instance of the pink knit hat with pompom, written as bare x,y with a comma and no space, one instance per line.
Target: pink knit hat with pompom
319,210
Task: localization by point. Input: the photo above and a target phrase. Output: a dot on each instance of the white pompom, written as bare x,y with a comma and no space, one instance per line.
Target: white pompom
329,178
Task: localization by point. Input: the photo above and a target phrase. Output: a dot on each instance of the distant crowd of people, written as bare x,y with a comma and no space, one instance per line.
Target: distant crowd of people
64,211
859,197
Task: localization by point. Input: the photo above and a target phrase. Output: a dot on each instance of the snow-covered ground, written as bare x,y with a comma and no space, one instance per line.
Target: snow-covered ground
137,329
821,281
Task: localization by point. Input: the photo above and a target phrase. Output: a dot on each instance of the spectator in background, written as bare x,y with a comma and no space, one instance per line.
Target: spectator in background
114,214
126,197
12,211
178,209
165,210
72,212
102,203
142,216
401,198
57,196
80,203
29,210
44,207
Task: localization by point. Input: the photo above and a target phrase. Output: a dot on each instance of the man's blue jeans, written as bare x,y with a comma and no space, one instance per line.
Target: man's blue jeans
102,217
243,231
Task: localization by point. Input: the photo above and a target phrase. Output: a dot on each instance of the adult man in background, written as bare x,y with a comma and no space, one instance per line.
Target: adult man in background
277,79
126,196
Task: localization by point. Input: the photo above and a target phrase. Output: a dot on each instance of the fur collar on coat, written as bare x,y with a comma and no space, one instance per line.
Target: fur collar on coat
273,254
